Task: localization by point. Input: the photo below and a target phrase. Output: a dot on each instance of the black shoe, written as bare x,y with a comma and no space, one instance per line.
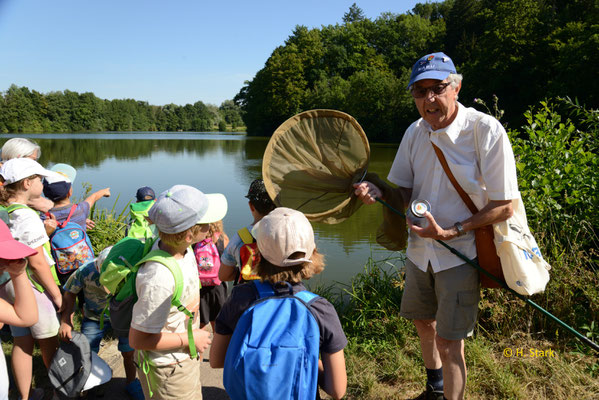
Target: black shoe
430,394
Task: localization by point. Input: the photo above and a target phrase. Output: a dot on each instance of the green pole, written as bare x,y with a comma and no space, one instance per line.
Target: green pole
474,263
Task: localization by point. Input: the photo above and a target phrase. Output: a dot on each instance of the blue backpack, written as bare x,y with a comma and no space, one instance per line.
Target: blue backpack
273,353
70,245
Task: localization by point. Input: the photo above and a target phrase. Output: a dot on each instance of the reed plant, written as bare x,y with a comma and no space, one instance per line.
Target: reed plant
110,224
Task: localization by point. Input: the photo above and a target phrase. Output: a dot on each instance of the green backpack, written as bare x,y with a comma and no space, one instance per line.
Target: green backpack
139,227
118,273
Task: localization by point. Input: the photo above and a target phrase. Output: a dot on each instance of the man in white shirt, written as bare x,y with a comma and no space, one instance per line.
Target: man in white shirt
441,292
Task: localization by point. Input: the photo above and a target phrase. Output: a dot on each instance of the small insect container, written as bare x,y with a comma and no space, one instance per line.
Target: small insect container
416,212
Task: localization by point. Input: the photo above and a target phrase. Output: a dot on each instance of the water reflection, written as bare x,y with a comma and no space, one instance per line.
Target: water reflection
214,163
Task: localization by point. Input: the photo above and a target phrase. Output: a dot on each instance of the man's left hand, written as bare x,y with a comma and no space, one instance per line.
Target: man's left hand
432,229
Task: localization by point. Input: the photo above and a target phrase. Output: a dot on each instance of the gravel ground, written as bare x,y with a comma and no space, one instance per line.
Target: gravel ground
212,379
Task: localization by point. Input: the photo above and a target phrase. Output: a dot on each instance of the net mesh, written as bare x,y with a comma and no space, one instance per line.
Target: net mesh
312,161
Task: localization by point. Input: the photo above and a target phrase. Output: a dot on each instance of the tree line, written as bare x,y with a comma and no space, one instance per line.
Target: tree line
522,51
28,111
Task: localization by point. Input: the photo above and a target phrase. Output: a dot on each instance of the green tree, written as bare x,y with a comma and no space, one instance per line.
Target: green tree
354,14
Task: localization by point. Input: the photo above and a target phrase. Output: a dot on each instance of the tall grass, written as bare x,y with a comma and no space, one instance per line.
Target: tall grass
383,354
110,225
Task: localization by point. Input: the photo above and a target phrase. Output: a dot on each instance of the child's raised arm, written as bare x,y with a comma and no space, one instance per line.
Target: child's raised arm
91,200
24,311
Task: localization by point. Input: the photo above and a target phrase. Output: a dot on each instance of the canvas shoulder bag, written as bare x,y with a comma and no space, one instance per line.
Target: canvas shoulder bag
524,268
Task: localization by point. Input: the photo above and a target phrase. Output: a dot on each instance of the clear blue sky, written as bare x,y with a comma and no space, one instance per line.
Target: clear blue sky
168,51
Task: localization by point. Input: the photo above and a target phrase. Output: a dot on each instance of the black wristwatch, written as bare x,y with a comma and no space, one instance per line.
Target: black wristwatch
458,226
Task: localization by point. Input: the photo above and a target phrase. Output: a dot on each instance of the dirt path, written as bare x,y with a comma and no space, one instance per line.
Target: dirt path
212,379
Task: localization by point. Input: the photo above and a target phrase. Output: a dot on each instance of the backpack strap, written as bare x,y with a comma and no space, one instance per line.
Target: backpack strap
168,261
15,206
264,289
66,221
38,287
307,297
245,235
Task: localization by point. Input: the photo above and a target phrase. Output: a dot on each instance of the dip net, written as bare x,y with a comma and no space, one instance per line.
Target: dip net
312,161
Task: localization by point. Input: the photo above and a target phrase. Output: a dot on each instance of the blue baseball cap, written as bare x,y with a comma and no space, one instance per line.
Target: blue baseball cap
432,66
145,193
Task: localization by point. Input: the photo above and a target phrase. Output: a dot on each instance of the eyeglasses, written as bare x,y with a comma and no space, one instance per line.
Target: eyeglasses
438,89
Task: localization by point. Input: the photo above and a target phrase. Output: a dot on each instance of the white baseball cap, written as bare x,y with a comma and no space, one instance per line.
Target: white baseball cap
62,173
16,169
181,207
283,232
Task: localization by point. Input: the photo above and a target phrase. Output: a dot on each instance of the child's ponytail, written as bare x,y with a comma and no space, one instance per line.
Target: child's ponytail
10,190
4,194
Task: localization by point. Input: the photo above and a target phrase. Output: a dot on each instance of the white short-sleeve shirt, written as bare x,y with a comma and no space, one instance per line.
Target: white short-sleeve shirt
153,312
480,156
26,227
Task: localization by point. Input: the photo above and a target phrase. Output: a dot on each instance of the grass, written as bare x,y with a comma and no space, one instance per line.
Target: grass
383,355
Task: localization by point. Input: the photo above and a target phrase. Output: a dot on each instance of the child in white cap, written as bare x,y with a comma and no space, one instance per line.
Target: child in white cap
158,330
288,254
23,312
22,182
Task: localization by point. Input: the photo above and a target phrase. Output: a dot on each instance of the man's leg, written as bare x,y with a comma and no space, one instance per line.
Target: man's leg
419,304
427,333
454,367
458,292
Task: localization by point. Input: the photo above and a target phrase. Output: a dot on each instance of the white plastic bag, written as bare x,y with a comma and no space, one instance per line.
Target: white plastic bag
523,266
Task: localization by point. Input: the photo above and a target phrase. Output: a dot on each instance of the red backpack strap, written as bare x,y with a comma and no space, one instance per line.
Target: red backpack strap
66,221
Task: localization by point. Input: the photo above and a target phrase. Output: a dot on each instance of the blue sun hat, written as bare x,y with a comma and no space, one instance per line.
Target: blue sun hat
432,66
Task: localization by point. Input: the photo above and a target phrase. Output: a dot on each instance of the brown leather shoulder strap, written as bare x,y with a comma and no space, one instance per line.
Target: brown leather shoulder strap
469,203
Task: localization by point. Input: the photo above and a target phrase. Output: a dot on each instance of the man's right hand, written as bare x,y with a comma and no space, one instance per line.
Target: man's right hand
367,192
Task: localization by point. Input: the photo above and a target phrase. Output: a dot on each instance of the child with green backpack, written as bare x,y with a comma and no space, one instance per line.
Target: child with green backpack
22,182
139,227
159,331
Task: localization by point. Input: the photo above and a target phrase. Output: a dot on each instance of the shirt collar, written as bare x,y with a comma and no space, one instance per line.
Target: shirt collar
455,128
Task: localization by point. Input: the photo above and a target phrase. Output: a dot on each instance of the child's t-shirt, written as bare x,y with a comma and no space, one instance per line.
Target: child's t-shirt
231,254
87,278
26,227
332,337
153,311
79,215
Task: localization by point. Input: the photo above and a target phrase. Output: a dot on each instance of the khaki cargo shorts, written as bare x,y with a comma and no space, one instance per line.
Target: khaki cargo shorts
449,297
170,382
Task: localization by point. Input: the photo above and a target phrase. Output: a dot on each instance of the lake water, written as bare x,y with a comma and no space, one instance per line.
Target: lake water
223,163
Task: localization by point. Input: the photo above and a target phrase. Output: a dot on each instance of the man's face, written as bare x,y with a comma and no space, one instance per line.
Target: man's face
436,102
